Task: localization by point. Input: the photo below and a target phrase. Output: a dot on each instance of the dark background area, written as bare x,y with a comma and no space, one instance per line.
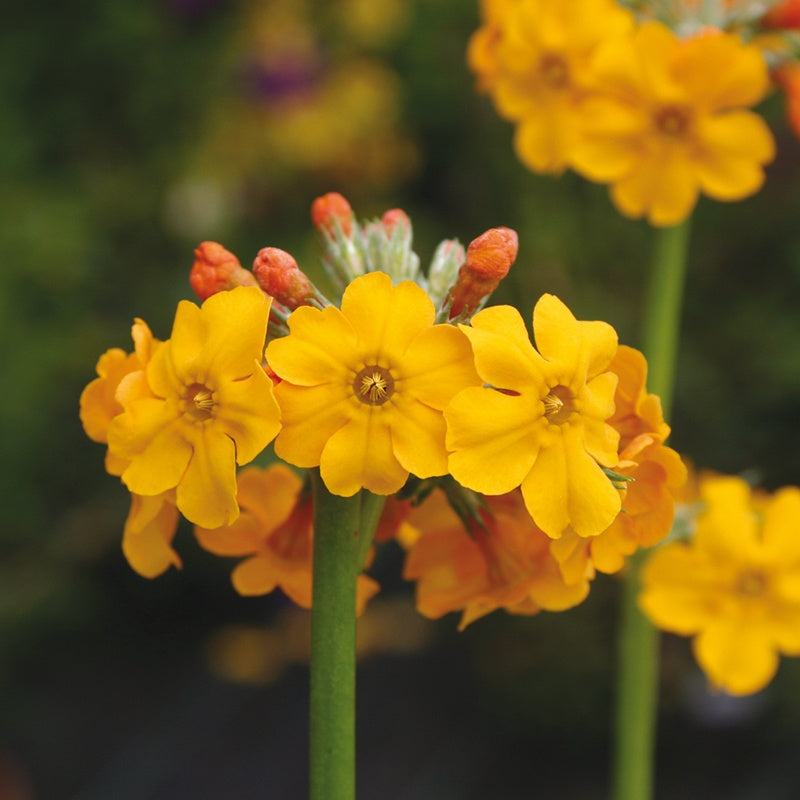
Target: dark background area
131,131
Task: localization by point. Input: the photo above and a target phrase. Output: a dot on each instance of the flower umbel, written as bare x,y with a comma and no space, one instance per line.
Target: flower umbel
735,587
363,388
209,405
540,420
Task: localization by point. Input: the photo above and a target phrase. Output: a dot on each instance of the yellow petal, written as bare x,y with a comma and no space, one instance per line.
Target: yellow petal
242,538
494,438
504,356
736,657
386,318
781,527
360,455
566,487
206,495
248,412
437,365
734,146
311,415
418,435
321,346
148,534
254,577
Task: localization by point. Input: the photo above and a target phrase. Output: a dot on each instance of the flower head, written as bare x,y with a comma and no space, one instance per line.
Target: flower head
669,120
540,421
505,563
533,56
274,532
208,406
363,388
735,588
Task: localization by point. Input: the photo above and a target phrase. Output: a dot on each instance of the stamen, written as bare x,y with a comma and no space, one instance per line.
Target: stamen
199,403
672,120
373,385
554,71
204,400
558,404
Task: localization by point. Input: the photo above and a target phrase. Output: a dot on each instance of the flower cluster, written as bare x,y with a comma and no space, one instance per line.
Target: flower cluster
734,586
515,468
656,104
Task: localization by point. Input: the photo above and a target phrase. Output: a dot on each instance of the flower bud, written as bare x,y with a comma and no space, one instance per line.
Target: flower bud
783,15
329,209
216,269
489,257
394,217
277,274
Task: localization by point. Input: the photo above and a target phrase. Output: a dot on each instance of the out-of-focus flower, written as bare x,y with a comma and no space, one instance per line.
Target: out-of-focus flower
788,78
785,14
534,56
274,531
540,421
503,563
363,388
735,588
209,406
669,120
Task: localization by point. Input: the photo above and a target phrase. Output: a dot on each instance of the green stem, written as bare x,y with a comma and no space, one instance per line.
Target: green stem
637,687
343,530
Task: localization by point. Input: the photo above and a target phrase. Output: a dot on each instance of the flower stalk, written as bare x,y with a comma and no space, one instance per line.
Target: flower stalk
343,530
637,675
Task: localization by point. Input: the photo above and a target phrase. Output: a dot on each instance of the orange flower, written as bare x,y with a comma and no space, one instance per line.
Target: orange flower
506,565
788,77
275,531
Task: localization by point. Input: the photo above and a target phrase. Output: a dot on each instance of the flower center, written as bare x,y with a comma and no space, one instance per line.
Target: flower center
554,71
672,121
559,404
751,583
374,385
199,403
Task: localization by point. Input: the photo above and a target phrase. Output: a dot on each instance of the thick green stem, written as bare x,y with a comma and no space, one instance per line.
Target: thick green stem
343,530
637,687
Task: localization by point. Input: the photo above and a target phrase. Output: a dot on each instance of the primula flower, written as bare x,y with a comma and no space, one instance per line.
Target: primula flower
537,54
275,531
209,406
152,521
505,563
540,420
735,587
670,120
656,472
363,388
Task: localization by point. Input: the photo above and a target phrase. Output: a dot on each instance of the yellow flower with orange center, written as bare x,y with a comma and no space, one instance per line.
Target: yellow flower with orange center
506,564
735,587
363,388
208,405
540,420
275,533
670,120
533,56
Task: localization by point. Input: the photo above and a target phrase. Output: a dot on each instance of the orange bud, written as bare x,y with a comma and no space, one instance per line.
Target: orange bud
330,208
489,257
216,269
277,273
783,15
394,217
788,76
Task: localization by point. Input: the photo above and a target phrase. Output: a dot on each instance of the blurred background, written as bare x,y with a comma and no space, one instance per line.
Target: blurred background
131,130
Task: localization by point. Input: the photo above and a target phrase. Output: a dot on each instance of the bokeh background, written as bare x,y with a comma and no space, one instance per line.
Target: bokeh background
131,130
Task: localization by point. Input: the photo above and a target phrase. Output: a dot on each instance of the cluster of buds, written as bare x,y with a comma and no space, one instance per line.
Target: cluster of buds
458,281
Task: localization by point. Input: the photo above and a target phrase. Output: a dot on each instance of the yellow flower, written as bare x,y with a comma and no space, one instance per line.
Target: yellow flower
363,389
506,565
648,501
533,55
152,521
275,531
735,587
670,120
540,420
208,405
